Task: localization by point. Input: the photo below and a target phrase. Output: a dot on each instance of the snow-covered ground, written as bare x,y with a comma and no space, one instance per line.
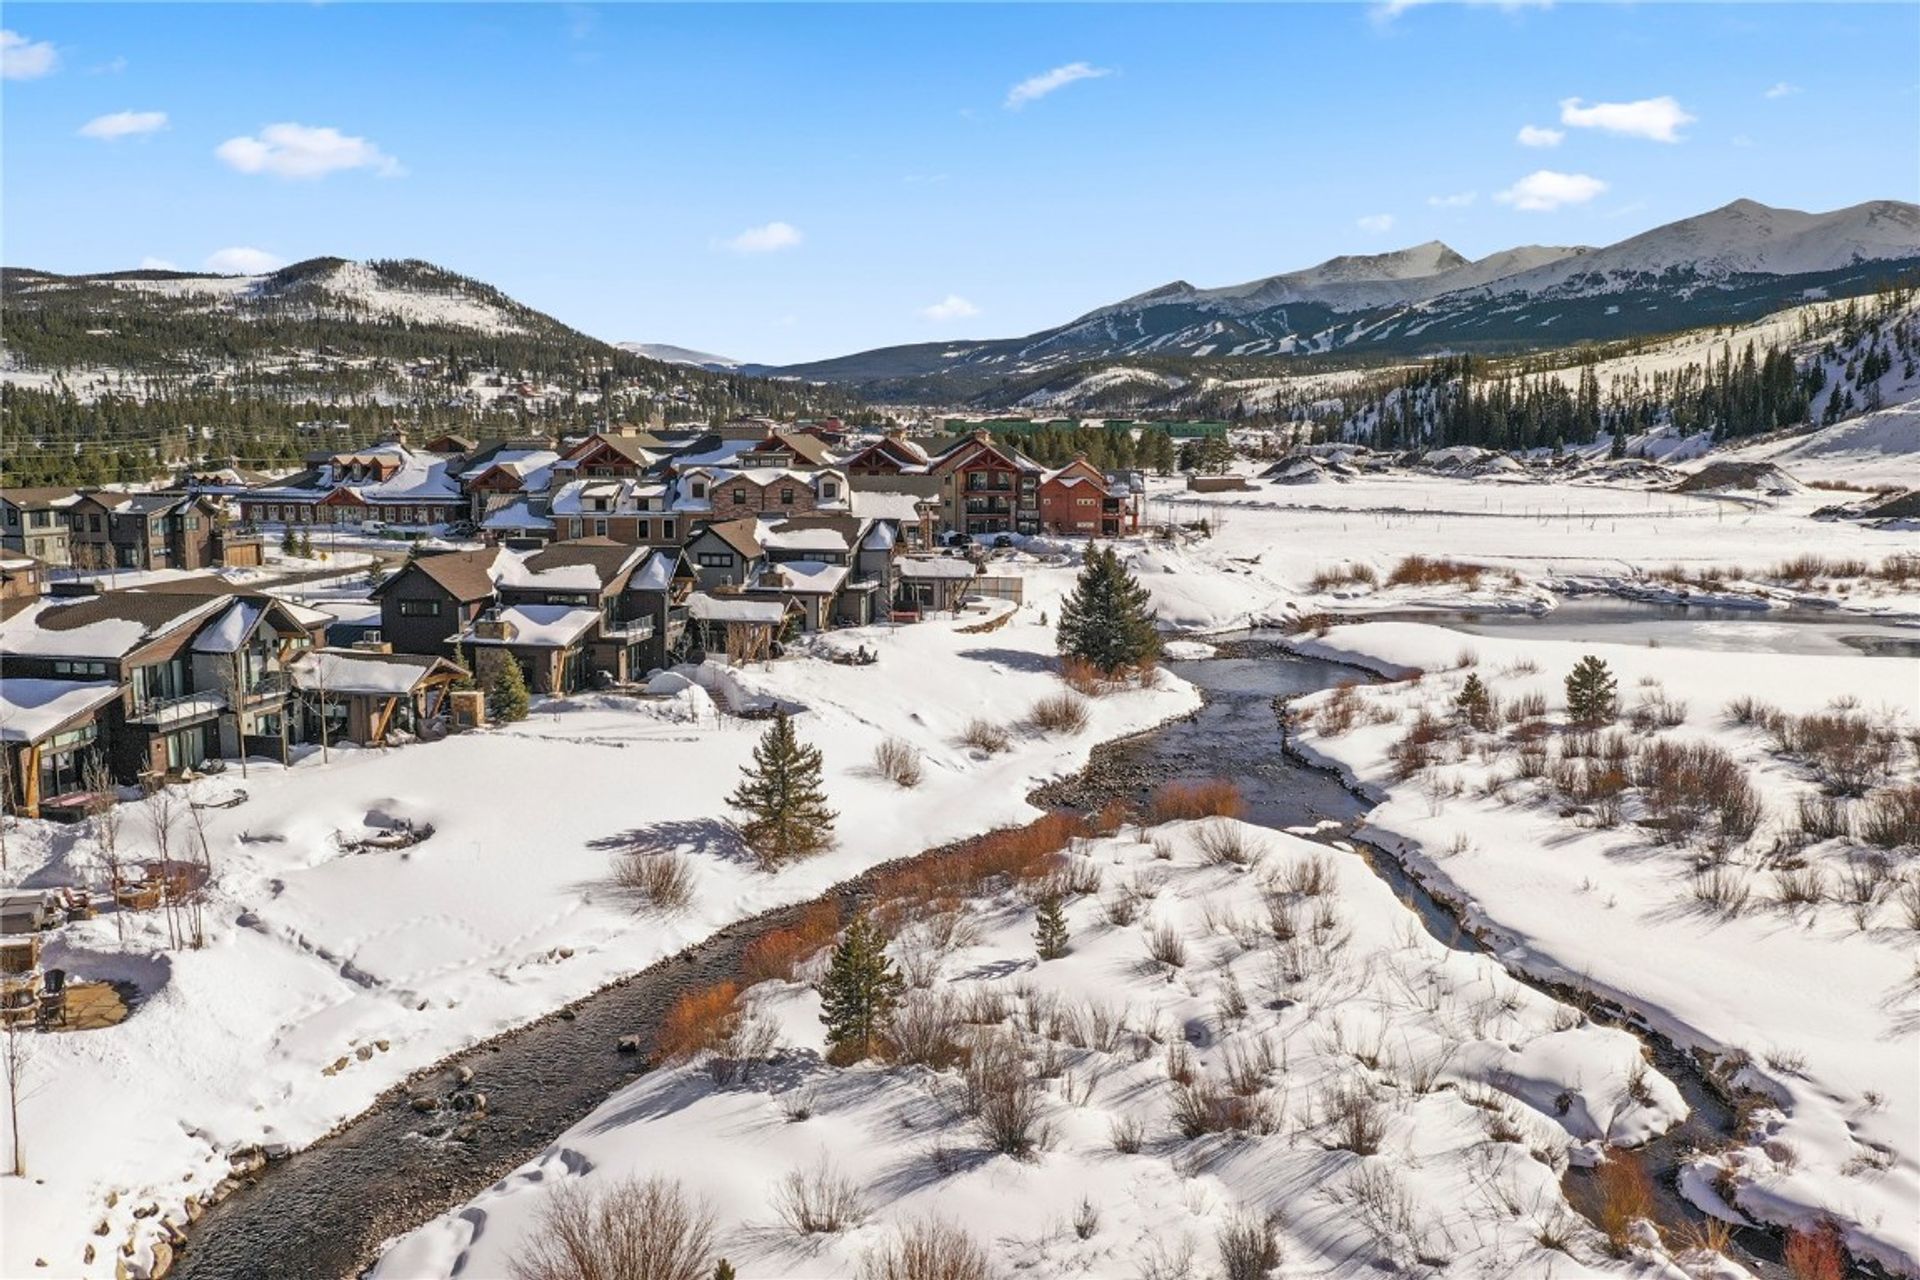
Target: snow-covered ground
1821,1000
1269,543
388,961
1305,990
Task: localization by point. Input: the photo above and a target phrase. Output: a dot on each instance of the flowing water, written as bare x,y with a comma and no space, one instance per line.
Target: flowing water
326,1210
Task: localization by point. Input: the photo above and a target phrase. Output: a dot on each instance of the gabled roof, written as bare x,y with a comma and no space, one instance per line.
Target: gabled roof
581,564
464,575
49,495
640,450
810,448
358,671
967,448
538,626
110,625
32,708
741,535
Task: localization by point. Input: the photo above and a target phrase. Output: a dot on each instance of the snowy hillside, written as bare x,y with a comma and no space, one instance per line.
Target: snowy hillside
667,353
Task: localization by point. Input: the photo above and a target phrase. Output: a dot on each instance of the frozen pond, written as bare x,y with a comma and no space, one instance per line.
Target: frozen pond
1715,627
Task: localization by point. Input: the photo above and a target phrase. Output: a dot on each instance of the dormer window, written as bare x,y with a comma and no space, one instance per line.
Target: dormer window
699,488
829,490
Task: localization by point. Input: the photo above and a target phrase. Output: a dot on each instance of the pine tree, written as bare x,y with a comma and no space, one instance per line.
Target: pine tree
507,698
1592,693
1474,704
723,1270
1050,937
780,792
289,542
465,680
859,992
306,545
1106,620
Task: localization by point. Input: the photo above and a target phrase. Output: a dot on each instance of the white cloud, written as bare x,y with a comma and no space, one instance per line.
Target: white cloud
305,151
770,238
1543,191
111,67
1783,90
951,307
151,263
1659,118
1383,14
1034,88
242,261
1532,135
1375,223
1458,200
24,59
124,124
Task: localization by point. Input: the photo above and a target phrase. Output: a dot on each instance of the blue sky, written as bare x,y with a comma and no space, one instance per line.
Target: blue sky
790,182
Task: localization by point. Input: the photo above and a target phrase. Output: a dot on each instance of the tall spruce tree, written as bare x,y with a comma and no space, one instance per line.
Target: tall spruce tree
1592,694
1474,705
787,814
859,992
507,698
1107,620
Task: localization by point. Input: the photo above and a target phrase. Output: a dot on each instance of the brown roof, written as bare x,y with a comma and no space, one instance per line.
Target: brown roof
811,448
154,611
741,534
464,575
633,448
39,495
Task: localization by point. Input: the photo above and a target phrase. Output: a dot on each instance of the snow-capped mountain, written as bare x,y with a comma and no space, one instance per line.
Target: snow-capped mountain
667,353
1731,264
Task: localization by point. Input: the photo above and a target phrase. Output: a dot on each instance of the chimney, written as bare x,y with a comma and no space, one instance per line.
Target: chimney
982,435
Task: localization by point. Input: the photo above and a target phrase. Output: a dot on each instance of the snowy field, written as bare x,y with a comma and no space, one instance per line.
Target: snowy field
1785,948
1310,1058
390,960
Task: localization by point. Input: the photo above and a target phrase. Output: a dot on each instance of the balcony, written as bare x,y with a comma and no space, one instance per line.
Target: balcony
627,629
183,709
988,507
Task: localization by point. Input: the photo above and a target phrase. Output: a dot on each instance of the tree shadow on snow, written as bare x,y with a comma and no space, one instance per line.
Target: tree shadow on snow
704,837
1018,659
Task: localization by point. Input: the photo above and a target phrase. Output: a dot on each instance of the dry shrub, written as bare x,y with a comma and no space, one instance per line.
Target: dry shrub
1129,1135
1846,751
898,761
1625,1194
1655,710
699,1022
1223,844
1413,751
986,737
1686,783
1001,1095
925,1031
818,1201
1248,1247
1809,567
1352,574
1900,568
1723,889
927,1249
1356,1121
1528,706
775,955
1824,818
1202,1106
1892,819
1426,571
1212,798
1111,816
1086,679
1817,1254
618,1231
1166,946
1059,713
1340,711
663,881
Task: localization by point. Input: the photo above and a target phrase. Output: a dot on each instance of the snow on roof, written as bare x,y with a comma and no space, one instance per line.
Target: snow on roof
514,571
545,626
655,575
807,577
937,567
520,462
735,609
724,452
517,514
780,538
886,505
230,630
30,709
346,671
881,537
107,626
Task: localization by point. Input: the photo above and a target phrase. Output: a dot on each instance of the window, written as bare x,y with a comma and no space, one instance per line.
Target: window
666,530
786,497
829,491
714,560
419,608
13,517
699,488
599,528
643,530
740,496
93,524
193,523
